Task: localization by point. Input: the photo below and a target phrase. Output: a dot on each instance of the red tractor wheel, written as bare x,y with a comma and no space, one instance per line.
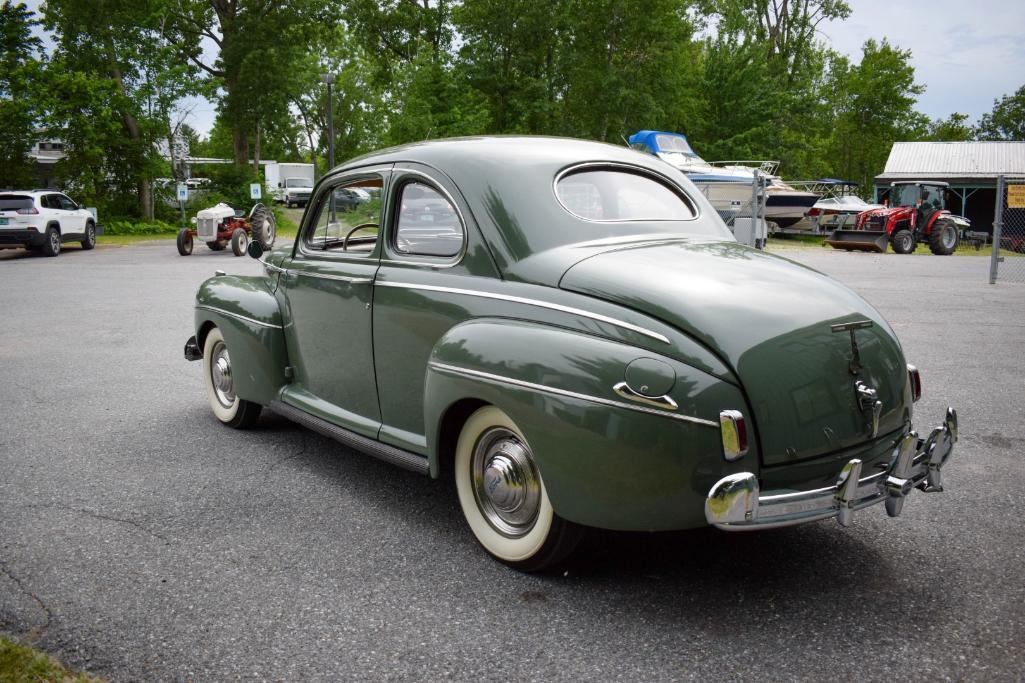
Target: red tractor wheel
184,242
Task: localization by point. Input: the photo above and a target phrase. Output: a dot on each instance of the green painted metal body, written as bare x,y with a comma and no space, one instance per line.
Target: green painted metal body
541,313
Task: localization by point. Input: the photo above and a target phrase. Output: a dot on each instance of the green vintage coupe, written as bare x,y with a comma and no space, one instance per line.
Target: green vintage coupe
568,329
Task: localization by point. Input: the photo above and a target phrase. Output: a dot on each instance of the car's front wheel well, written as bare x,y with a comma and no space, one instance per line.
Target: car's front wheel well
204,330
448,431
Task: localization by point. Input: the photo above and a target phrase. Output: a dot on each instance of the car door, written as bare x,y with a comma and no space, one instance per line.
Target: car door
326,294
432,255
76,214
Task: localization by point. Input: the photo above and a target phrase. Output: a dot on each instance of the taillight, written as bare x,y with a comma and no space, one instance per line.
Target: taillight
915,379
31,211
813,212
734,434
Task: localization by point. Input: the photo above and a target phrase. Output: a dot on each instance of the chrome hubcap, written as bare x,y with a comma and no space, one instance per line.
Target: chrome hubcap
220,373
506,483
55,241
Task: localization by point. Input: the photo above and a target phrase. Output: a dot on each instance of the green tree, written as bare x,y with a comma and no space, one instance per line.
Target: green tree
258,43
954,128
873,103
1007,120
20,111
115,81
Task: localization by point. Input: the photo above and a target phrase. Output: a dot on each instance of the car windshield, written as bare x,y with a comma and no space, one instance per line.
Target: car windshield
298,182
13,202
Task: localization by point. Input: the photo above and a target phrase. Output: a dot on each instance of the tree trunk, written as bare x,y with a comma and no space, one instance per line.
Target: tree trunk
240,142
131,126
256,150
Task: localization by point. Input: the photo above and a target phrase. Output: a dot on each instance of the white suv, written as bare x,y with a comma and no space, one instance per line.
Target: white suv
41,220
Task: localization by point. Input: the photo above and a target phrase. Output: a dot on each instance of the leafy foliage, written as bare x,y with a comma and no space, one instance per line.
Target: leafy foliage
1007,120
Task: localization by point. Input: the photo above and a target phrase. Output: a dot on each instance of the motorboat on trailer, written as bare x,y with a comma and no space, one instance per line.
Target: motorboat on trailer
728,183
837,207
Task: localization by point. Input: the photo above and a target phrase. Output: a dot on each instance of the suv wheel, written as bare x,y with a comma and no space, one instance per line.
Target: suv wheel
52,243
89,241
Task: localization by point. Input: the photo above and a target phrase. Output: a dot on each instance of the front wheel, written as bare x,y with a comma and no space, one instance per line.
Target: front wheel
903,241
503,497
220,385
943,238
184,242
239,242
89,241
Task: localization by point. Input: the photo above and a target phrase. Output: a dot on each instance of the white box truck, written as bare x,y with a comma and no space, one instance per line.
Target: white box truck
291,184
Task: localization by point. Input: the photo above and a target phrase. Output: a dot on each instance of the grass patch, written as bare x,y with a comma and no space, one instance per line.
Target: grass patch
22,664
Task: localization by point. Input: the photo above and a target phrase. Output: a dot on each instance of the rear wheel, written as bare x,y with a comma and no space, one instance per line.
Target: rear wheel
503,497
943,238
264,226
903,241
239,242
220,385
89,241
184,242
52,241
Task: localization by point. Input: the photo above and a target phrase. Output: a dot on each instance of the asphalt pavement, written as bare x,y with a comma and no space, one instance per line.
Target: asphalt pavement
142,540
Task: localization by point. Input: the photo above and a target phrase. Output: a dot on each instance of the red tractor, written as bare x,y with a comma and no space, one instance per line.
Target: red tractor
221,226
916,213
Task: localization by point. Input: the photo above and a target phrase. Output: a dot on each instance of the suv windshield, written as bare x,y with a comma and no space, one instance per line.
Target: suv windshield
13,202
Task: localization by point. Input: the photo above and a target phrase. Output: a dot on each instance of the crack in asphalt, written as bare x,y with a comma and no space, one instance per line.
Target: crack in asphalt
36,633
109,518
299,451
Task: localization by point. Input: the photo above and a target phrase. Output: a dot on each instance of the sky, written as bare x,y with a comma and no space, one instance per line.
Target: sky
965,53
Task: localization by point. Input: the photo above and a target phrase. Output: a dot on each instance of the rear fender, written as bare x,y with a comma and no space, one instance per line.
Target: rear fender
606,461
246,312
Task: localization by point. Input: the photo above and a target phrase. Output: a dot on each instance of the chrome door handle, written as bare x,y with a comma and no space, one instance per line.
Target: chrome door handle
664,402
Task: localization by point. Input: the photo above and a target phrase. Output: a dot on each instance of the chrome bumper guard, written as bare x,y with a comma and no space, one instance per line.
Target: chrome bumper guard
735,503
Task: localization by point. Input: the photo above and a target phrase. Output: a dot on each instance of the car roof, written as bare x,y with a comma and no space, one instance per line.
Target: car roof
514,151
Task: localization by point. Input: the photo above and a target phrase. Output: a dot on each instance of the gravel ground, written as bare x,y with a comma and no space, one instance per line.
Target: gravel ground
139,539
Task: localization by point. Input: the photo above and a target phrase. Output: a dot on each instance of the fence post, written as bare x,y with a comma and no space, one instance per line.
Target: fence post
998,224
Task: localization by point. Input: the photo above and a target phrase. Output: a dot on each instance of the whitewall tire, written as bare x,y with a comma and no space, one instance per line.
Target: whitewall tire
220,385
503,497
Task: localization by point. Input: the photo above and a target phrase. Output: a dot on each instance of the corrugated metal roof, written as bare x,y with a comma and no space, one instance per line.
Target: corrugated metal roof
955,159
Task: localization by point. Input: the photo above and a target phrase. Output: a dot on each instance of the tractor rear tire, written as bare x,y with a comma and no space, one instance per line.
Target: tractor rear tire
184,242
217,245
263,225
902,241
943,238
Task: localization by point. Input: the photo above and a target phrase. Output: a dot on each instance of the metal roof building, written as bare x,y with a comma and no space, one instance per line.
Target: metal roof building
971,169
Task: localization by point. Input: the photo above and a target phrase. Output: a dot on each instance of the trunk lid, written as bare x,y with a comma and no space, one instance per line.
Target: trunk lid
770,319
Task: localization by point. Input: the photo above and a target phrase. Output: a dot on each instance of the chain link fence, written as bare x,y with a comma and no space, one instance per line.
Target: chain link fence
1008,260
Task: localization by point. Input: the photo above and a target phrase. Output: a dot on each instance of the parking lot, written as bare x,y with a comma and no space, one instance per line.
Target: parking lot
142,540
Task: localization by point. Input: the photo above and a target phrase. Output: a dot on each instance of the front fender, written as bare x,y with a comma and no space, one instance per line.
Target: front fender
606,461
245,310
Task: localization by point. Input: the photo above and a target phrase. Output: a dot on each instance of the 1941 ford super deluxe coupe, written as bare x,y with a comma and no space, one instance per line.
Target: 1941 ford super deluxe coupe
569,330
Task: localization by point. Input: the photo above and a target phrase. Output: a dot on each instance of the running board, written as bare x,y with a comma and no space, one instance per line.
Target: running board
390,454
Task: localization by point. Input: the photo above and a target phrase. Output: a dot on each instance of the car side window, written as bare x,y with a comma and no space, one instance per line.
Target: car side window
427,224
347,218
66,203
49,202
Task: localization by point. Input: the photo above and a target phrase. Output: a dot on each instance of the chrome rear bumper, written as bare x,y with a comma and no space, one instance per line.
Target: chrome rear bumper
735,503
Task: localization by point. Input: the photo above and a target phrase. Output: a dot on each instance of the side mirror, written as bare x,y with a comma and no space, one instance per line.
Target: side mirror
255,249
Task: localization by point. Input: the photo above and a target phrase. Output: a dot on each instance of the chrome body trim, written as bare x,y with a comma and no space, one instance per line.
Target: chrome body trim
272,267
531,302
664,402
735,502
500,379
238,316
340,278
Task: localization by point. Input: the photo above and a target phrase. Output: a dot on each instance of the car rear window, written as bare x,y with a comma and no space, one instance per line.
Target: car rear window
14,202
614,195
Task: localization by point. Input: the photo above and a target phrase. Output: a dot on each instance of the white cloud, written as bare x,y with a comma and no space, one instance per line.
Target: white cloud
965,54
